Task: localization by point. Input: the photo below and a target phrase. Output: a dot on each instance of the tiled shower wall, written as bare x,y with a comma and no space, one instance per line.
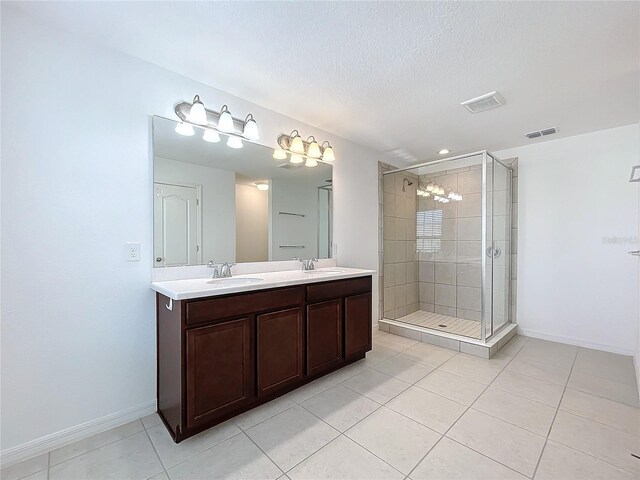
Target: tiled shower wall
399,283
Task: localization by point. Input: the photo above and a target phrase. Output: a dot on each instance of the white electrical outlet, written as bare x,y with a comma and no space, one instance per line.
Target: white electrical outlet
132,252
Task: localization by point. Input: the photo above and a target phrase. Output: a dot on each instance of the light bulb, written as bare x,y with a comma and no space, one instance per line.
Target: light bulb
250,130
211,136
459,197
441,190
185,129
430,187
264,186
314,148
311,162
296,159
419,193
234,142
452,194
297,146
444,151
327,155
279,154
197,113
225,122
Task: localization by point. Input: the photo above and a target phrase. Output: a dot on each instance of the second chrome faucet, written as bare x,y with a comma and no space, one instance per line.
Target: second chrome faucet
307,264
220,270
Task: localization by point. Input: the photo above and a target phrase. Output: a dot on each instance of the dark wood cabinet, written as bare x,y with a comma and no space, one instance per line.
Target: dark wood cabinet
324,336
219,369
280,345
220,356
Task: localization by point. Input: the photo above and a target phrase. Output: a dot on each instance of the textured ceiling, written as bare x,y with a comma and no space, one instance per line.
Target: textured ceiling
391,75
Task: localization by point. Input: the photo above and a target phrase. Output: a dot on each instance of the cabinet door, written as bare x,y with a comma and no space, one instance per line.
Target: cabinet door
280,343
357,317
324,336
219,370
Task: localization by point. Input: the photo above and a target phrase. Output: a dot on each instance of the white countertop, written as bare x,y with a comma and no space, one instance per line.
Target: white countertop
199,287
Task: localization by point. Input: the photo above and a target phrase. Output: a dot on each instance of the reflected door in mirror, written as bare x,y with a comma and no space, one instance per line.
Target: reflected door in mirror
175,239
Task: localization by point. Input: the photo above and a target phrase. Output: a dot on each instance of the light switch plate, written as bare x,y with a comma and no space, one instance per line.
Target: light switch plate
132,252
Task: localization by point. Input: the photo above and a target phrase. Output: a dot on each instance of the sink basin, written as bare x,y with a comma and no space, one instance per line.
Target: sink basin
234,282
322,272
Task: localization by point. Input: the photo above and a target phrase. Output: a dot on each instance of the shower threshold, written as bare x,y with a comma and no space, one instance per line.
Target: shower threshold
441,338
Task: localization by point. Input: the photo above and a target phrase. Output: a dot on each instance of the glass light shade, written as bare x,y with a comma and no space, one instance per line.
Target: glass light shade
441,190
264,186
314,150
430,187
419,193
311,162
234,142
459,197
296,159
444,151
197,113
452,194
296,145
279,154
225,122
185,129
327,155
250,130
211,136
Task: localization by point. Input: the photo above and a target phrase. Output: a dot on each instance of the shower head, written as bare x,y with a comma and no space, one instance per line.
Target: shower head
406,183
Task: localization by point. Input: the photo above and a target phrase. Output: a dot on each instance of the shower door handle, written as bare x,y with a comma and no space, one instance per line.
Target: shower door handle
494,252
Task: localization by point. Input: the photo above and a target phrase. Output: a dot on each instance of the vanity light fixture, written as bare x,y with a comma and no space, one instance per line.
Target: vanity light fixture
327,154
197,113
250,130
279,154
295,158
184,129
296,145
314,149
311,162
299,150
263,186
211,136
234,142
225,122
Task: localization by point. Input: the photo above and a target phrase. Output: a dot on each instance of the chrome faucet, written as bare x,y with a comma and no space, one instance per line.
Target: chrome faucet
307,264
222,270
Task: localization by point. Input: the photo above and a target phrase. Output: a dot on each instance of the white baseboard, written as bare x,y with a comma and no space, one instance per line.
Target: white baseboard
64,437
578,342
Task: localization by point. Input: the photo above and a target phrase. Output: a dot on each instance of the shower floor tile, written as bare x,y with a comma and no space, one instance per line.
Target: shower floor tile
443,323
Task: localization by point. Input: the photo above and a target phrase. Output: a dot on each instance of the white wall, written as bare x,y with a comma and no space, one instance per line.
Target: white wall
252,224
78,322
218,204
577,218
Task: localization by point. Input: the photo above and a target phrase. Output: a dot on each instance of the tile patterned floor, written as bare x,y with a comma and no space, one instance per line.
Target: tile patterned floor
459,326
411,410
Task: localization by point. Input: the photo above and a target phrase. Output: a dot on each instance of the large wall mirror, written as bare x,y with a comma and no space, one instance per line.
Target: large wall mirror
214,202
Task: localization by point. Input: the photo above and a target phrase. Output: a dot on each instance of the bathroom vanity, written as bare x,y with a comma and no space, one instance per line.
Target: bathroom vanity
226,348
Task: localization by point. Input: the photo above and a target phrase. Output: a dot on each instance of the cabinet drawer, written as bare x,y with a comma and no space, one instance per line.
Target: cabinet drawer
200,311
319,292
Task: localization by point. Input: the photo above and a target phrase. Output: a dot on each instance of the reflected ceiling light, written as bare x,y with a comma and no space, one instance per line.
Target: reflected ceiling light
444,151
297,158
250,129
197,113
234,142
279,154
225,122
185,129
430,187
311,162
296,146
264,186
211,136
327,155
314,149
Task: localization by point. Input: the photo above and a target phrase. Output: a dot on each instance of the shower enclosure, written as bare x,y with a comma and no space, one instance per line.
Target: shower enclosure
447,246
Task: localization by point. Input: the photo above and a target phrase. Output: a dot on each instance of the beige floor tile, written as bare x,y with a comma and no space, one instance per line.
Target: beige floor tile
340,407
172,453
541,371
603,387
23,469
378,354
533,416
429,409
598,440
394,438
151,421
291,436
512,446
560,462
235,458
394,342
263,412
404,369
62,454
160,476
41,475
130,458
312,389
459,389
618,368
514,345
550,353
429,355
343,459
451,461
479,370
602,410
529,387
376,385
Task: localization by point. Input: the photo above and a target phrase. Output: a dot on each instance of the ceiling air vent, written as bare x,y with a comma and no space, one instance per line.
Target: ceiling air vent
542,133
484,102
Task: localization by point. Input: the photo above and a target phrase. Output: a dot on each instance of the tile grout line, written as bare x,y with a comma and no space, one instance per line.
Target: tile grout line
164,468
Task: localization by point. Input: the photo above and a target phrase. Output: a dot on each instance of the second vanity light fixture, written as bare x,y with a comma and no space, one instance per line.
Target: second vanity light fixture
214,122
437,192
307,152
